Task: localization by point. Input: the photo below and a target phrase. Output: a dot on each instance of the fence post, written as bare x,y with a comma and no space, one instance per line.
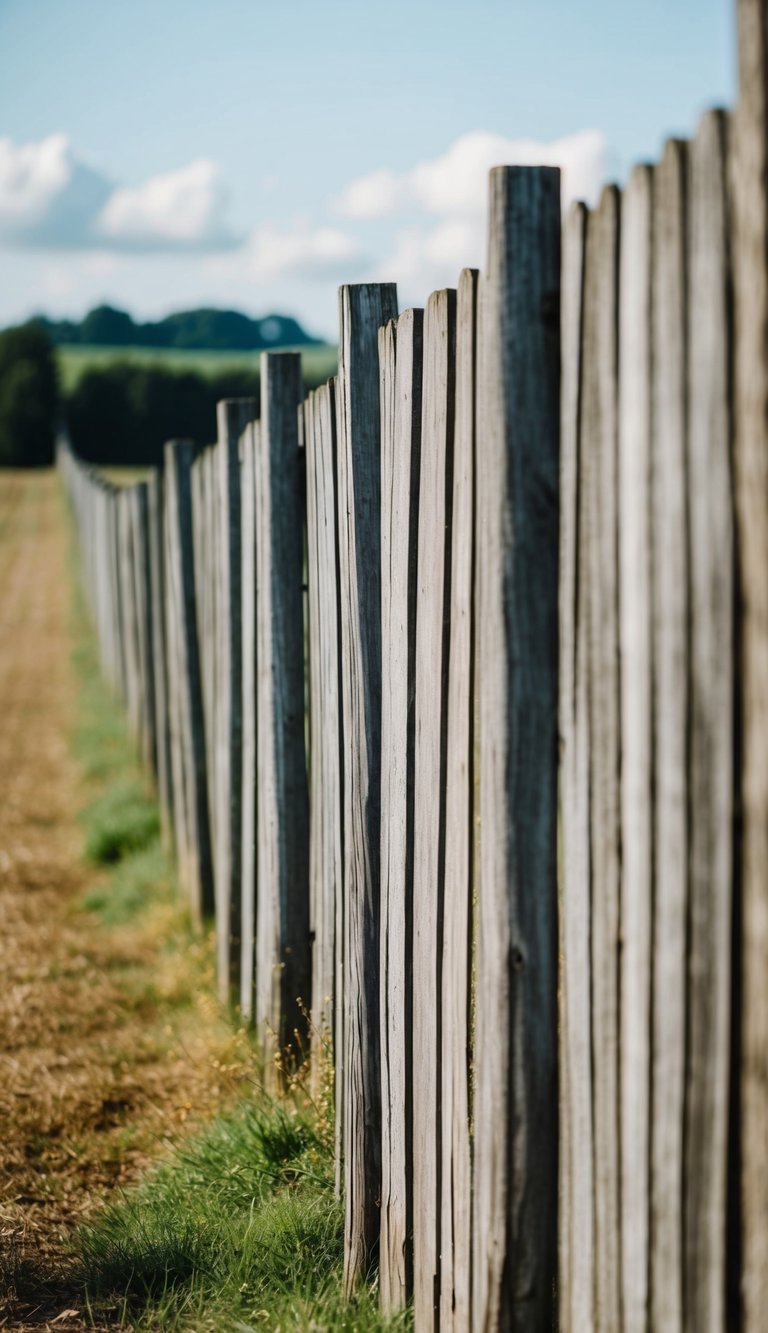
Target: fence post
282,913
156,510
636,732
362,311
190,785
400,362
750,213
232,415
711,666
576,1265
431,680
515,1108
455,1169
250,726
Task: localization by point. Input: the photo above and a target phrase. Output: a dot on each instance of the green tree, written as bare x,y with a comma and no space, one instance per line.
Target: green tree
28,397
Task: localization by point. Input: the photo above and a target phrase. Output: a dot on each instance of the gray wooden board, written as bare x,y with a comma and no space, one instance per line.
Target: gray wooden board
599,435
455,1056
711,737
250,722
362,311
232,415
669,536
636,731
159,650
141,576
400,362
576,1169
749,197
515,1108
326,734
282,913
433,585
199,867
322,981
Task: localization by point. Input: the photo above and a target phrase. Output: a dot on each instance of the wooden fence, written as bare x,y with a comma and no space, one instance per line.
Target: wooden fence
345,634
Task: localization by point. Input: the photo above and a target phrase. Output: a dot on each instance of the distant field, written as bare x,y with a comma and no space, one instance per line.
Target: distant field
125,476
74,359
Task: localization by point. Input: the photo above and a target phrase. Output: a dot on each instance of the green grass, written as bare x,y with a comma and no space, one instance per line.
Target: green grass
239,1227
74,360
239,1230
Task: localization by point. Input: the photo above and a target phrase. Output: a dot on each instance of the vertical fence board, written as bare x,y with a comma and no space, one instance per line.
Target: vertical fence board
400,360
249,747
636,731
156,506
600,437
576,1172
669,524
711,740
455,1175
282,913
190,771
362,310
432,644
401,466
515,1110
750,211
232,416
142,580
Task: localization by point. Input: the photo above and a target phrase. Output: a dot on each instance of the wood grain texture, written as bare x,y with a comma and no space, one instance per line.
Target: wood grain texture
326,727
143,597
155,502
400,363
248,889
455,1055
711,738
669,521
576,1270
232,416
282,911
431,706
515,1111
600,439
190,772
362,311
636,731
750,214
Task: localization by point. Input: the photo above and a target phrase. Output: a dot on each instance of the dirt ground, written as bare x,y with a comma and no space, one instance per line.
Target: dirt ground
94,1075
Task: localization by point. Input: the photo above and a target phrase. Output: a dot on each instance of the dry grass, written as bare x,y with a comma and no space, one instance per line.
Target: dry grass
111,1045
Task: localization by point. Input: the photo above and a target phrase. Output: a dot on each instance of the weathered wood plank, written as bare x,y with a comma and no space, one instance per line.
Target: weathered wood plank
576,1268
143,596
750,215
431,701
156,507
250,722
669,536
636,731
327,733
362,310
455,1059
232,415
515,1110
282,911
600,437
189,774
710,501
400,362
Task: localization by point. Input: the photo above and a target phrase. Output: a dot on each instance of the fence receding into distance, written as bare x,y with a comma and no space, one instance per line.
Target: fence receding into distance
454,680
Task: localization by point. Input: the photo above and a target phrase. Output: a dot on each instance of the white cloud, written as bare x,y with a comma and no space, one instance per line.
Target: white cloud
47,197
315,254
456,182
51,200
180,209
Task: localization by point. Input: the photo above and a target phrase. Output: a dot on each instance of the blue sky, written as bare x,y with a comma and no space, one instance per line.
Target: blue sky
250,154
